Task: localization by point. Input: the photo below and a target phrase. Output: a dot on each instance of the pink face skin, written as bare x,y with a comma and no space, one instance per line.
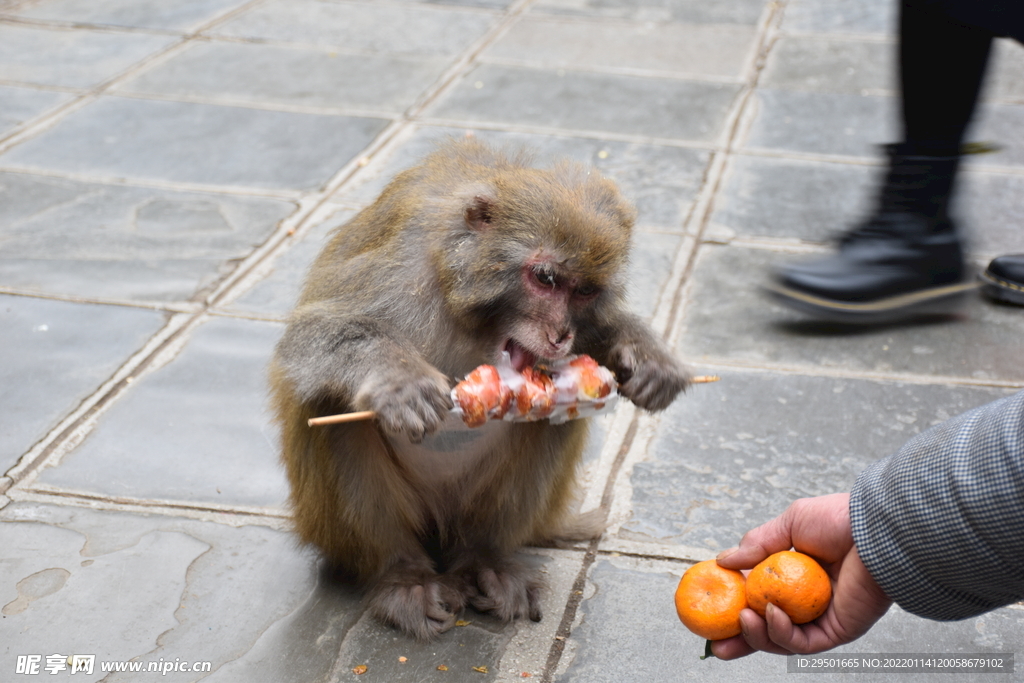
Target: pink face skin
547,330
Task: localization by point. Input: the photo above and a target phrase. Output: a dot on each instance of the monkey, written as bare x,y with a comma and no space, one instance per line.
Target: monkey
472,252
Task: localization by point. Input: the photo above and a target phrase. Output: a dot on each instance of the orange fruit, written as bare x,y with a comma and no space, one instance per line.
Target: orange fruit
709,600
792,581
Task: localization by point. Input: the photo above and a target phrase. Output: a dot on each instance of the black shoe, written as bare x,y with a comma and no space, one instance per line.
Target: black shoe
1003,280
904,261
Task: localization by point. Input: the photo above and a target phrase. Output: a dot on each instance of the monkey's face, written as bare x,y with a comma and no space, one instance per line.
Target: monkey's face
551,299
534,259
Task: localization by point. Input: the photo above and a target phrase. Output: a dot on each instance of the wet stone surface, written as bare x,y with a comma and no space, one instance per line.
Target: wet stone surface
198,591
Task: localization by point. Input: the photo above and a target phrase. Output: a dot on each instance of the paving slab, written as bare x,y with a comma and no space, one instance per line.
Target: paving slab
816,201
708,50
826,64
691,11
661,181
155,589
867,64
55,355
822,123
590,102
1005,79
72,238
19,105
793,199
196,430
275,294
292,76
840,16
197,143
180,16
629,630
727,319
411,29
72,58
1000,124
737,454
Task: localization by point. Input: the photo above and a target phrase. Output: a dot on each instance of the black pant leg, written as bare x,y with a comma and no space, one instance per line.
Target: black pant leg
942,65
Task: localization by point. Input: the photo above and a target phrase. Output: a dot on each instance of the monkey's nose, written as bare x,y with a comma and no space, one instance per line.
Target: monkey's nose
558,341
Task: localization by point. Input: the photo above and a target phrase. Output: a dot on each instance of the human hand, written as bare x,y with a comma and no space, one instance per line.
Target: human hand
819,527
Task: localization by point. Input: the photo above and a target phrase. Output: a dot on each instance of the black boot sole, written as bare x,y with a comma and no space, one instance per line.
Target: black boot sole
1001,290
933,301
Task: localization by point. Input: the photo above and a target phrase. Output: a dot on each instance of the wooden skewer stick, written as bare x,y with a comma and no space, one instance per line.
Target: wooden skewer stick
343,417
369,414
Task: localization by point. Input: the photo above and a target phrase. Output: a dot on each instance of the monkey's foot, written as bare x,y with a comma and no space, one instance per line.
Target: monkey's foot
422,606
507,589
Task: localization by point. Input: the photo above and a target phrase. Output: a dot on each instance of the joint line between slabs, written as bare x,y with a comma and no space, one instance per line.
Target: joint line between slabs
697,222
579,585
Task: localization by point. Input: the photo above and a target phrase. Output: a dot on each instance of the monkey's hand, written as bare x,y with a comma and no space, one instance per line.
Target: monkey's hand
648,374
409,398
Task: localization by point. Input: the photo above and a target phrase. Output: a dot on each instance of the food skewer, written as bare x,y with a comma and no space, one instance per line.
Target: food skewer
369,414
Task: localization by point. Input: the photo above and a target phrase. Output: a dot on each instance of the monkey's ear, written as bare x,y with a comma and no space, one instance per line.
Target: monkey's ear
479,213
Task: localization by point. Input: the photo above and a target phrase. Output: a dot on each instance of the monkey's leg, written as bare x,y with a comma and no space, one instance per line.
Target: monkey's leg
522,492
501,584
383,517
351,499
411,596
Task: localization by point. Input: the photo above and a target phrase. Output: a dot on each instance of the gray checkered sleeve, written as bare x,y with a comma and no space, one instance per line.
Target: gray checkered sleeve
940,524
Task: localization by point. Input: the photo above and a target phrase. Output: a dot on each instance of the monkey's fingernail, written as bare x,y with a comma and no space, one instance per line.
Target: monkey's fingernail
726,553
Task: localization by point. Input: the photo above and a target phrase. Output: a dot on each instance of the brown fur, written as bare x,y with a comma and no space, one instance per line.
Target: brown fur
452,260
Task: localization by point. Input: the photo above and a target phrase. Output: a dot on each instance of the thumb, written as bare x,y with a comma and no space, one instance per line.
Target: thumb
759,543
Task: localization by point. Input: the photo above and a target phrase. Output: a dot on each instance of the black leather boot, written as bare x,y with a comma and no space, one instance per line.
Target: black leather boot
1003,280
905,260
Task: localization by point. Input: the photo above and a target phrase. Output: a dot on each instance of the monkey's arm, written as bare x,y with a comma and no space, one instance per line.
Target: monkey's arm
648,372
364,364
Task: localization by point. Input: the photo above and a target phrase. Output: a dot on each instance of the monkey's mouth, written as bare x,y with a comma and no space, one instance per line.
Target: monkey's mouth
521,358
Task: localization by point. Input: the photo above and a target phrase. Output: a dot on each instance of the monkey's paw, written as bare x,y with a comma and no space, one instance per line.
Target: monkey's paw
410,403
509,591
649,378
423,609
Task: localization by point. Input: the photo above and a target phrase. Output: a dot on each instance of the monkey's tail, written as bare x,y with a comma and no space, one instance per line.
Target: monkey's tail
578,527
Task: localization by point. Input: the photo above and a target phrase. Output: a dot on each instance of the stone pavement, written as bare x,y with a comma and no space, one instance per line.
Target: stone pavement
169,169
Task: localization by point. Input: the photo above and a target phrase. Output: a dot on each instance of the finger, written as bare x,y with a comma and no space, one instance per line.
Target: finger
759,543
806,639
731,648
781,629
755,633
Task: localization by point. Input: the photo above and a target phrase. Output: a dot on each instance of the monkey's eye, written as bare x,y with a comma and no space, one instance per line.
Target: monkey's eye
545,278
586,290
